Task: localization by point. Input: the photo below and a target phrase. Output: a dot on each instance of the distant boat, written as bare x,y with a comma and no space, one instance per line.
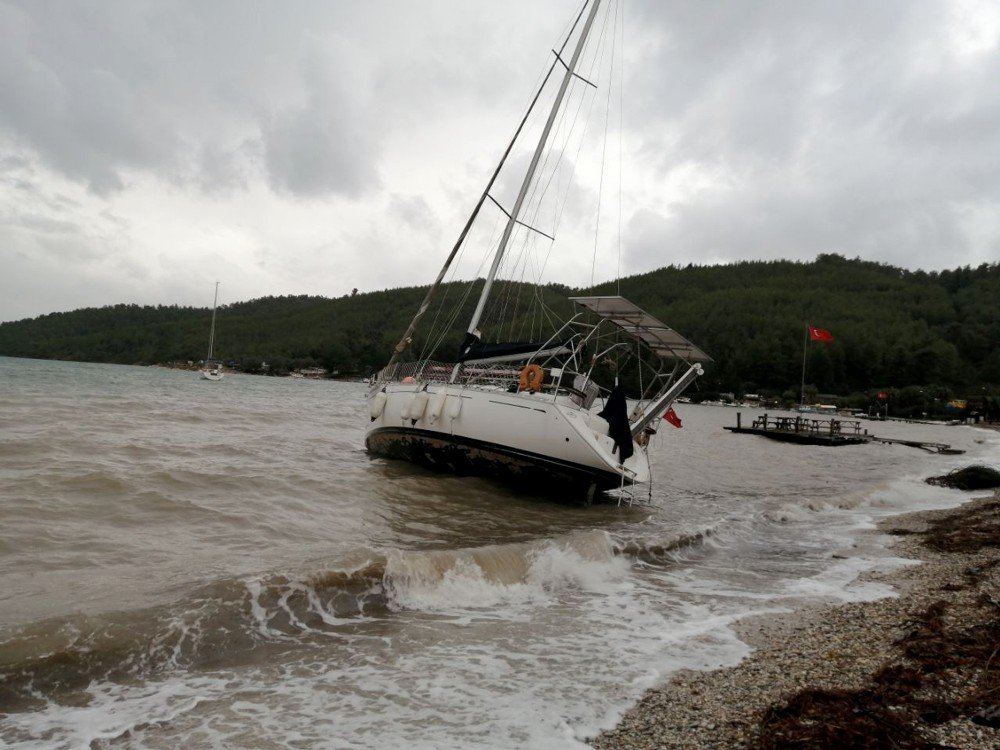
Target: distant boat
213,370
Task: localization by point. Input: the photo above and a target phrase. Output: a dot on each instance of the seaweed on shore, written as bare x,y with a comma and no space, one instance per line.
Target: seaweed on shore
969,478
838,718
901,697
966,532
946,669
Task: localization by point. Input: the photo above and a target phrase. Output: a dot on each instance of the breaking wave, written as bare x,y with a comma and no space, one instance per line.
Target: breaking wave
231,621
665,551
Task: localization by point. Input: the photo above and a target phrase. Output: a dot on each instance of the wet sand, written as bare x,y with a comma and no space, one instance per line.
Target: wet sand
909,671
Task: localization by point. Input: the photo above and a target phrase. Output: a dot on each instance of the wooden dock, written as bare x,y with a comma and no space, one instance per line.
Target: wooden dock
805,430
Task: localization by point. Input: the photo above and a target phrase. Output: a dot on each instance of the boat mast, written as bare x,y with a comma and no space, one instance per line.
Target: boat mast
211,334
516,211
408,334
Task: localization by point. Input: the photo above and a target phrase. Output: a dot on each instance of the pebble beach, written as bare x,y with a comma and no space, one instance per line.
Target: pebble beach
916,670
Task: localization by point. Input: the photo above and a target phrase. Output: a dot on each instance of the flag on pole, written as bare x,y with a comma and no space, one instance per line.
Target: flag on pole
671,416
820,334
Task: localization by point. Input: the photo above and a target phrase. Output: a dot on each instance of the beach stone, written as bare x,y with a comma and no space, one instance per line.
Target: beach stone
833,648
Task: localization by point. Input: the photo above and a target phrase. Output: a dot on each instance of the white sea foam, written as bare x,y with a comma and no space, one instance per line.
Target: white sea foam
111,712
840,581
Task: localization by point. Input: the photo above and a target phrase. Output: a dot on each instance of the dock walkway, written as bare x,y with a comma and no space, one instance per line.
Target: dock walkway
805,430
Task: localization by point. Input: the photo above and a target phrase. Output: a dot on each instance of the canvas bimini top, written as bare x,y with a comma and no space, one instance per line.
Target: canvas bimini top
665,342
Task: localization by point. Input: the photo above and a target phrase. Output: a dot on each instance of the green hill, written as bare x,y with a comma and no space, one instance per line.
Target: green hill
936,332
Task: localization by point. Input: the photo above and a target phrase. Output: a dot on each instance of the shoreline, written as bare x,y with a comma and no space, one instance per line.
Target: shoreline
851,657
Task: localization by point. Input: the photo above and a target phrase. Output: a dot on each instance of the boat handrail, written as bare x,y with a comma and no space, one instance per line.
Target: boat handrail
495,374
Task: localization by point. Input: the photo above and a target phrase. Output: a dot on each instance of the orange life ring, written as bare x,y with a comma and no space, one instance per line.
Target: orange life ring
531,378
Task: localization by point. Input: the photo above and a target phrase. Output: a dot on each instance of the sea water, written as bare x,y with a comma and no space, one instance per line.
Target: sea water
204,565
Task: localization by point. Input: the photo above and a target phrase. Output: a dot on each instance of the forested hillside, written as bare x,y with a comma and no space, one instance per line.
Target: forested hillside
893,328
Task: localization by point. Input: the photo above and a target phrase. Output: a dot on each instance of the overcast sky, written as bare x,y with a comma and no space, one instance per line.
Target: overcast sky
151,147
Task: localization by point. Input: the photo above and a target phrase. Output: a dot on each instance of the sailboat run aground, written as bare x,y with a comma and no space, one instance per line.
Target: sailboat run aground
527,412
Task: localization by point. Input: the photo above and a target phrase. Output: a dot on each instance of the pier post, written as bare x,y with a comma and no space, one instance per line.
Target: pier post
737,420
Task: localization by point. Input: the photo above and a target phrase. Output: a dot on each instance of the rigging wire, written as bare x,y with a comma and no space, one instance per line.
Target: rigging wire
580,143
404,341
522,303
502,300
604,145
621,139
457,309
560,207
539,188
428,349
596,61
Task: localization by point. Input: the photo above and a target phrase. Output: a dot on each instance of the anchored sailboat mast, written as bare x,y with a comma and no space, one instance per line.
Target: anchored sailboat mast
211,333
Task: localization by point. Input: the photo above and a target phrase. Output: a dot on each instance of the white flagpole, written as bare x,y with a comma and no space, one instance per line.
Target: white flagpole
805,344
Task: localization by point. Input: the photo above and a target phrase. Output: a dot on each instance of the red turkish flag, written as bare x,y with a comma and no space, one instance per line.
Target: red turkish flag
671,416
820,334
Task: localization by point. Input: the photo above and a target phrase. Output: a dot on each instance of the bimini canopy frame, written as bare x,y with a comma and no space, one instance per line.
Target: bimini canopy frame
664,341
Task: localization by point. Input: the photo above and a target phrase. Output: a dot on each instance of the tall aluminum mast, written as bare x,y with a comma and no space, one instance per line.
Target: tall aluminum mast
516,211
211,334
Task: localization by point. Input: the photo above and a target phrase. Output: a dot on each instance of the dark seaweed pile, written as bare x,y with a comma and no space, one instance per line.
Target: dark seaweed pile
969,478
947,667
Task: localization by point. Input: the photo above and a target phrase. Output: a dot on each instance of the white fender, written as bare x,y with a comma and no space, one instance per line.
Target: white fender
378,405
416,406
454,407
435,406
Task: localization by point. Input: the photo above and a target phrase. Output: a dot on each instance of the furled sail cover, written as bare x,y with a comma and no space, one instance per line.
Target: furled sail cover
475,350
663,340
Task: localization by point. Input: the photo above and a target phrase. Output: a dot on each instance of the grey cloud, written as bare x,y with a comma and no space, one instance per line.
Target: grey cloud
76,103
39,223
223,169
13,163
850,127
755,130
416,213
98,89
313,151
324,145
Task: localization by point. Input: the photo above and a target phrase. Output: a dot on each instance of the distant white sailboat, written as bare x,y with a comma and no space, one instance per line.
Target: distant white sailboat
521,410
213,370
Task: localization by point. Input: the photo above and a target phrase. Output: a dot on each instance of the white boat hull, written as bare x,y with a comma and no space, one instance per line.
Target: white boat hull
211,375
534,440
